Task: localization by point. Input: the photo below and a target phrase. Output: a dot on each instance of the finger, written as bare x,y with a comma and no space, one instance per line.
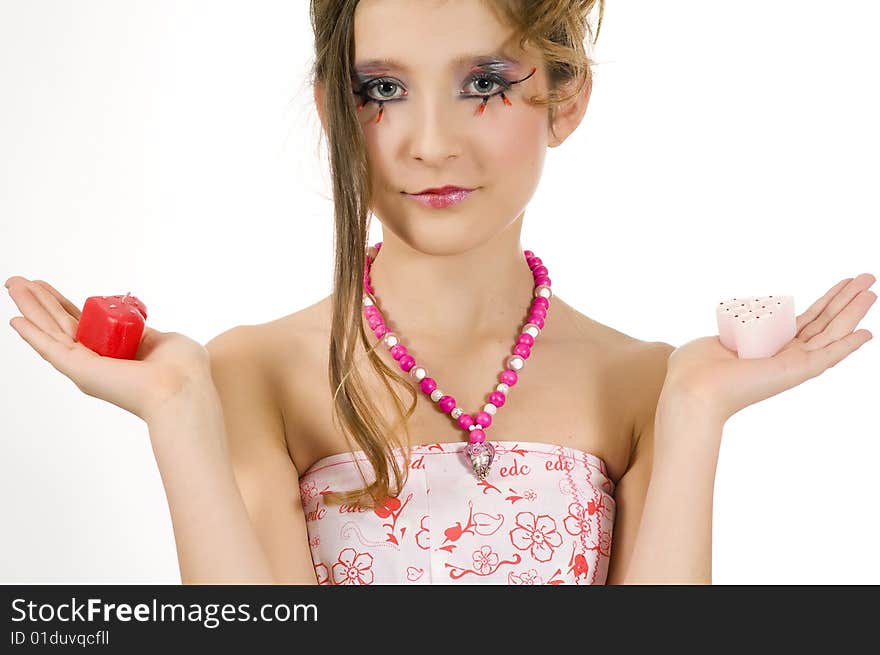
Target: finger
32,309
58,354
824,358
68,306
845,322
816,308
50,303
833,305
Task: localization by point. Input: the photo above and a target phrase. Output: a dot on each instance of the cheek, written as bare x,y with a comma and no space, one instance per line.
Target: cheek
516,149
514,158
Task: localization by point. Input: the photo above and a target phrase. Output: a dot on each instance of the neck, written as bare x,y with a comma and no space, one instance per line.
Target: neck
482,293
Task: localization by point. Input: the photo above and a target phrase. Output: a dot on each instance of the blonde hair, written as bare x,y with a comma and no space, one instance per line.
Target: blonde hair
556,28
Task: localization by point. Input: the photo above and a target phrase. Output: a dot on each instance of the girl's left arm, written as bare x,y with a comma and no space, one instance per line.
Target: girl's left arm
668,487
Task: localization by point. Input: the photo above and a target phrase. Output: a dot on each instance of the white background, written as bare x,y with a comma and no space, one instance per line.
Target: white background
170,149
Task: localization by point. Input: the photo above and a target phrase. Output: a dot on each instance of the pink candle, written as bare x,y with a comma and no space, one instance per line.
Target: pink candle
756,326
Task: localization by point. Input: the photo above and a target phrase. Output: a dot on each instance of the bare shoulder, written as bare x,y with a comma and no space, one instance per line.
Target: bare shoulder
636,372
274,352
637,367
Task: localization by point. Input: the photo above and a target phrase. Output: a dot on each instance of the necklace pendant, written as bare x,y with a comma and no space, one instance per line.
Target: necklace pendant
481,456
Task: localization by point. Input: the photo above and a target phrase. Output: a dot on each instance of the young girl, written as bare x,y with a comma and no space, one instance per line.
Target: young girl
442,417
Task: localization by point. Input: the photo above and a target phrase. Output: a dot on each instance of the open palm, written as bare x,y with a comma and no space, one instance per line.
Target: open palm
706,370
165,361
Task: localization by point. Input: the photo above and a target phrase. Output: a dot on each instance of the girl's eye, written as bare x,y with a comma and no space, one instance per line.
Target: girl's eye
382,87
484,85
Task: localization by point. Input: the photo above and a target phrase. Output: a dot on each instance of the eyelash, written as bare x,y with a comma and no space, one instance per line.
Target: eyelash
366,87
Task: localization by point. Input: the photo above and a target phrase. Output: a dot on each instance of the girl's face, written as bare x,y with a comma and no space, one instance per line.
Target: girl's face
421,60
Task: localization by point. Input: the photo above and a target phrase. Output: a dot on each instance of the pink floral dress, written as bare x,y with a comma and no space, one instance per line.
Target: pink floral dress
543,515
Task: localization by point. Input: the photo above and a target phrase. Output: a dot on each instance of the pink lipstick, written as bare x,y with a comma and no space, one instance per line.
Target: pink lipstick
441,197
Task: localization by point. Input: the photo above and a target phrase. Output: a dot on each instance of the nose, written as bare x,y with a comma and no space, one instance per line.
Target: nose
434,135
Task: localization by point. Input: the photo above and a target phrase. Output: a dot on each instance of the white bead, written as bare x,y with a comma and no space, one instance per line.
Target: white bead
503,388
390,339
455,413
472,427
437,395
515,362
367,300
418,372
543,291
489,408
532,329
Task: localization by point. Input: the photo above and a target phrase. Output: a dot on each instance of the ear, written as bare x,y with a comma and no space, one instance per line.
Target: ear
568,116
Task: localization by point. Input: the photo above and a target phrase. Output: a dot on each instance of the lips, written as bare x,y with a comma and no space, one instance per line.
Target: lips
443,189
443,197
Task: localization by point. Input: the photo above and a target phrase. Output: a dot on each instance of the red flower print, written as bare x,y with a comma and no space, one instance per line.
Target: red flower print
308,490
487,486
603,543
593,507
454,532
485,560
537,535
391,507
529,494
577,522
322,573
487,524
423,536
529,577
388,507
579,568
353,568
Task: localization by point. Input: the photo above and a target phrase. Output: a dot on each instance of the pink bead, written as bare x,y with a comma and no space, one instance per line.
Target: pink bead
537,310
446,404
368,288
541,300
497,398
477,436
543,280
508,377
528,253
371,310
537,320
380,331
378,246
374,322
526,338
397,351
465,421
484,419
522,350
535,262
428,385
407,362
538,271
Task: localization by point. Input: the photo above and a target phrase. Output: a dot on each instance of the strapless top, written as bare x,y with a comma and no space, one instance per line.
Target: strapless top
543,515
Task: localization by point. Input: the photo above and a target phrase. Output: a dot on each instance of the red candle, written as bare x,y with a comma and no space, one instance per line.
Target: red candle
112,326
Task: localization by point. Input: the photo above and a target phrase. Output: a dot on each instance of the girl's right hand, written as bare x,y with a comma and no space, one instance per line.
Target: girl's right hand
166,363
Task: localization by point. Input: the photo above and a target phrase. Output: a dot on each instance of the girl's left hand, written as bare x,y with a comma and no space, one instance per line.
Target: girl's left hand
705,371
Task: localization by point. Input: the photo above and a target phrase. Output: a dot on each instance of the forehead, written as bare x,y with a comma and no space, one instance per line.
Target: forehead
408,35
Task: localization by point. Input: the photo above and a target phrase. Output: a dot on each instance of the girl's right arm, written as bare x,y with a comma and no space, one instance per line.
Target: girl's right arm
231,486
217,437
